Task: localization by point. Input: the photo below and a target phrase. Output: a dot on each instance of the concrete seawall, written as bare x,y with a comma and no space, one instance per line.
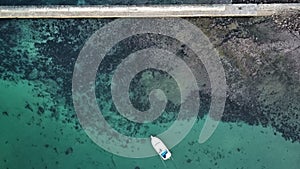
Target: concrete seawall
217,10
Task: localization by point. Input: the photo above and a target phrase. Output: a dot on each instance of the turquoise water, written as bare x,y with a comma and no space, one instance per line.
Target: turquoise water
40,129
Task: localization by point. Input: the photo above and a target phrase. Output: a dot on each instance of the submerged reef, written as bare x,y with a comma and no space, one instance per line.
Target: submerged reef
260,57
262,61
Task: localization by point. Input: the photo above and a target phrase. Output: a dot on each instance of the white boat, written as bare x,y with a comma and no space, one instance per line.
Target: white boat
160,148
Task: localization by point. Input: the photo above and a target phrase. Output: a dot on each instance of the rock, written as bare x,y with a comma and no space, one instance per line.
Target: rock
69,151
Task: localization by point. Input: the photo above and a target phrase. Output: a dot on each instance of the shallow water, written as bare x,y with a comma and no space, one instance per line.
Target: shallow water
40,129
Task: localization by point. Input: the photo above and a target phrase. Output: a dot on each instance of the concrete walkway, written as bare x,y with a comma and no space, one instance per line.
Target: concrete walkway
96,11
